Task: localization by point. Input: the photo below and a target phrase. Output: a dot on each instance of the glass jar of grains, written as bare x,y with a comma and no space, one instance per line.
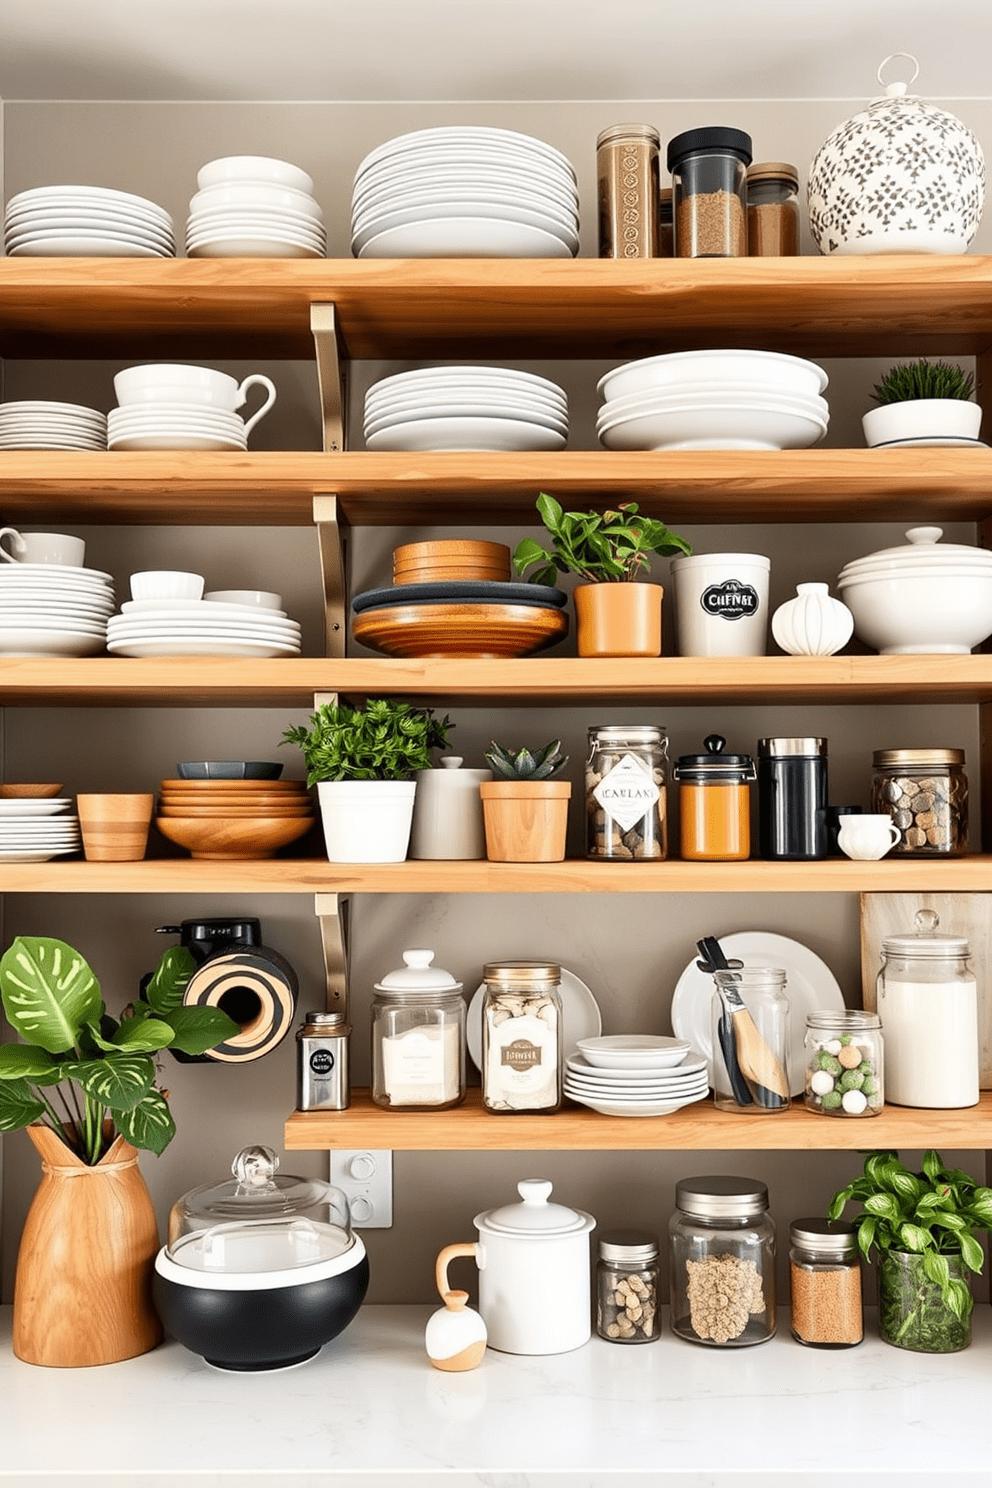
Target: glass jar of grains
521,1037
825,1284
708,169
772,210
722,1255
626,792
627,1287
925,791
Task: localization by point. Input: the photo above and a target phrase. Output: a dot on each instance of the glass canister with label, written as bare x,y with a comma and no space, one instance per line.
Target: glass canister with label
714,803
626,792
925,791
418,1037
627,176
722,1261
522,1064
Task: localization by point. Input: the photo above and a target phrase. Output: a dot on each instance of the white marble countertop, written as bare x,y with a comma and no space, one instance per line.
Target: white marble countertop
371,1411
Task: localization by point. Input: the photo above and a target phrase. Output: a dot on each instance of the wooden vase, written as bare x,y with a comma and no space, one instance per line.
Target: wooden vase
82,1292
618,619
526,820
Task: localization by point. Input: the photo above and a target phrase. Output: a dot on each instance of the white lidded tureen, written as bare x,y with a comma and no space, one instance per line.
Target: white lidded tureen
920,598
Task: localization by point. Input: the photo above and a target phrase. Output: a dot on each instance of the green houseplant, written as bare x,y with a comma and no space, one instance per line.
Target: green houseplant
923,400
923,1226
362,761
525,808
607,551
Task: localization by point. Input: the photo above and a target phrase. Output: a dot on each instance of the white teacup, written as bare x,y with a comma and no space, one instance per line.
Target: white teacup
867,837
42,547
172,383
166,583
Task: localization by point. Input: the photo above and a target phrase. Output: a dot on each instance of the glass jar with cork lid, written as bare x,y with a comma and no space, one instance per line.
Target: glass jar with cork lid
709,181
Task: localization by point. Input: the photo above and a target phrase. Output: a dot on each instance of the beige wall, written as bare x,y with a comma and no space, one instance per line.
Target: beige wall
629,950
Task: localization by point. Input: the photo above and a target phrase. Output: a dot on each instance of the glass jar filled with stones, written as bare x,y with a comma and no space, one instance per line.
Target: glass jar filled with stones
709,181
626,792
627,1287
722,1257
825,1284
521,1037
418,1037
925,791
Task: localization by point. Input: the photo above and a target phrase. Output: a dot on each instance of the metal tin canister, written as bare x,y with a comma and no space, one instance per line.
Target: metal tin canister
322,1082
627,177
792,798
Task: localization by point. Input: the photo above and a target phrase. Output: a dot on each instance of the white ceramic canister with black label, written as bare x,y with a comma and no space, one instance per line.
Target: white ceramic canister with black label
721,604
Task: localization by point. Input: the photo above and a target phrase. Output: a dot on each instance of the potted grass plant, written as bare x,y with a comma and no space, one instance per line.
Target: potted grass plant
363,762
524,806
607,551
925,401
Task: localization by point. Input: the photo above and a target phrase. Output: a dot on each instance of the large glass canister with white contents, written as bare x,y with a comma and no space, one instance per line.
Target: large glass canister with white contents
927,999
418,1037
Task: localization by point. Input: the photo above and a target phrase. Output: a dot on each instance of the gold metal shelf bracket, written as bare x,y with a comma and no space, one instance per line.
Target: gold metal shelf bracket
333,912
332,546
331,375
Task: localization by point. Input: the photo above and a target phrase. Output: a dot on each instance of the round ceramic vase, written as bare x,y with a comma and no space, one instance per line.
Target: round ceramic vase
812,624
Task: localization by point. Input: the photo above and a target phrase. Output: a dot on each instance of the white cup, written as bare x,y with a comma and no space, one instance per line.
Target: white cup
173,383
166,583
721,604
42,547
867,837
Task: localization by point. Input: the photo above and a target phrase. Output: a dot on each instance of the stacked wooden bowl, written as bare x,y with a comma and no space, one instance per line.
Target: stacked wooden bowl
227,819
450,560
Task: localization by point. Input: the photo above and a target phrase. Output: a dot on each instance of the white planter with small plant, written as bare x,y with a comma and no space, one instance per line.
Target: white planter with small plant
923,401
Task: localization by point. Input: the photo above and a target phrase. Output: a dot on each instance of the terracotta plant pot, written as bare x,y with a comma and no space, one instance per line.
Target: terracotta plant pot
618,619
526,820
82,1292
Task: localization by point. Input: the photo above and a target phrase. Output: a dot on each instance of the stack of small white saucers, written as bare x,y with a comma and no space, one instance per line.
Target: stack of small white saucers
175,426
36,424
200,627
636,1074
465,408
465,192
249,206
34,830
86,222
733,399
53,609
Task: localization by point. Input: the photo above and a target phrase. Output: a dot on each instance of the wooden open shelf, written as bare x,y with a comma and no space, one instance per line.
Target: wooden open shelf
576,1129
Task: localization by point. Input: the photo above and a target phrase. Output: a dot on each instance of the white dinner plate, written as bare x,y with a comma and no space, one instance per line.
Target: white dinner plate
214,647
466,434
487,410
253,247
48,642
810,985
42,855
661,1090
465,237
506,398
470,137
55,573
34,805
107,195
367,226
83,246
50,442
580,1016
176,442
458,375
269,232
949,441
189,609
606,1107
51,620
57,226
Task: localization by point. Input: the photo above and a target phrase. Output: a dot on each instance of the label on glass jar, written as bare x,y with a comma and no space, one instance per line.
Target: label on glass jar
628,791
730,600
421,1066
521,1065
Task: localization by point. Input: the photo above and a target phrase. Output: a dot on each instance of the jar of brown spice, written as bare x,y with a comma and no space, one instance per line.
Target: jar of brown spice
772,210
825,1281
708,169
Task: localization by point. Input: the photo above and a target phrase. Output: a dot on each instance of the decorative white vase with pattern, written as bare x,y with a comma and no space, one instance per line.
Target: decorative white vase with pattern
812,624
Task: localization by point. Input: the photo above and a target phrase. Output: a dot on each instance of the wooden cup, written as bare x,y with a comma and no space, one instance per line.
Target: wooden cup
114,827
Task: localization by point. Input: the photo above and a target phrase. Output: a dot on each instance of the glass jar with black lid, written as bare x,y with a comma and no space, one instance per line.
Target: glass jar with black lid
709,181
714,803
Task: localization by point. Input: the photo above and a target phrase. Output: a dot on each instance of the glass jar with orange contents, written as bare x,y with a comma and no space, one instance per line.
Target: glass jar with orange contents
714,803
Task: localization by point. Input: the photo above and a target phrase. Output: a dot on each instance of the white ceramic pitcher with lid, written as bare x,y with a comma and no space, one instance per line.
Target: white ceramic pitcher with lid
535,1272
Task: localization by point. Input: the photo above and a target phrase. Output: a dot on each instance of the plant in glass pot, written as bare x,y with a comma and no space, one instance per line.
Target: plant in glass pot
924,401
84,1085
608,550
924,1228
362,761
525,809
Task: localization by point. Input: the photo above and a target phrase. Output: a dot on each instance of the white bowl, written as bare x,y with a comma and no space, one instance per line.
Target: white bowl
634,1051
254,194
166,584
922,418
761,369
263,599
923,552
172,382
633,404
716,426
913,613
253,168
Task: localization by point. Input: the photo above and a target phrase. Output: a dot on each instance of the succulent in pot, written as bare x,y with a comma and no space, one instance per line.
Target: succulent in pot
363,762
525,808
607,550
924,401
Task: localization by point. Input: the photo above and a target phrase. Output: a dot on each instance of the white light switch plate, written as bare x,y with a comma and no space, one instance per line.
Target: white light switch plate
366,1177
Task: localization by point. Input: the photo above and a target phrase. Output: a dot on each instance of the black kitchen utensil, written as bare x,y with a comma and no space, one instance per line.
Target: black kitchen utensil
713,959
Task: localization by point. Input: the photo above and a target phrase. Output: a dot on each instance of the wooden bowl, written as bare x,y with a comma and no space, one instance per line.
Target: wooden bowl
250,788
466,630
29,792
259,804
451,549
234,813
231,837
444,573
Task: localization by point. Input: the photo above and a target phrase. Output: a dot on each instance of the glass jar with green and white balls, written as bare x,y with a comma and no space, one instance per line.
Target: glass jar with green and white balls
844,1065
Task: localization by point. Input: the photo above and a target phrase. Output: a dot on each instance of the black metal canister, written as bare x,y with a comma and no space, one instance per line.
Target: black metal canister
792,798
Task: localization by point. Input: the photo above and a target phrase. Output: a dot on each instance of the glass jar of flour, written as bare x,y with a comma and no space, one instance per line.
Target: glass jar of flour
418,1037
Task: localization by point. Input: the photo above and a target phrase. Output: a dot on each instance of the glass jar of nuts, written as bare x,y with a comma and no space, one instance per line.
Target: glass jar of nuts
722,1255
626,792
925,791
627,1287
521,1037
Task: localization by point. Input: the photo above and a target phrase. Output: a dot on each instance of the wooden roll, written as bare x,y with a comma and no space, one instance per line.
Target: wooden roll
258,989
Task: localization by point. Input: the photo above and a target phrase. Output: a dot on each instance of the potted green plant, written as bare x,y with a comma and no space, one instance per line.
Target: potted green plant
923,1226
608,551
923,401
362,761
525,808
84,1085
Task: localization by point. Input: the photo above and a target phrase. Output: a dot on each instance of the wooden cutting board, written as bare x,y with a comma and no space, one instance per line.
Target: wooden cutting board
969,915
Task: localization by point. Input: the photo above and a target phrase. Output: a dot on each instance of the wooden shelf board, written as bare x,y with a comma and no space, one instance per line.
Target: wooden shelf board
702,486
575,1129
287,875
443,308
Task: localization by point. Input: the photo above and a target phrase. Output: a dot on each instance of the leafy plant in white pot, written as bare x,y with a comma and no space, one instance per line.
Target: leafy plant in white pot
362,761
923,401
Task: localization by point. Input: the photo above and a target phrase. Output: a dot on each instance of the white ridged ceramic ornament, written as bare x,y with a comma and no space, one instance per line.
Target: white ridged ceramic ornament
901,176
812,624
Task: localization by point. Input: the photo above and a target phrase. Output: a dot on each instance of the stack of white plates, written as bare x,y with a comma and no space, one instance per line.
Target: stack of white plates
86,222
465,192
51,609
636,1075
465,408
33,830
735,399
39,425
149,426
202,627
249,206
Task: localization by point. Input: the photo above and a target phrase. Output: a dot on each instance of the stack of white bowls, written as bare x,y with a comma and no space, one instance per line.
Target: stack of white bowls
168,405
53,609
34,829
465,192
922,598
465,408
167,615
636,1074
734,399
249,206
86,222
38,425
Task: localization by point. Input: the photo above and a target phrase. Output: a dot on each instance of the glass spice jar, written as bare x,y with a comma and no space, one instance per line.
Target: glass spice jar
844,1064
418,1037
522,1057
722,1255
772,210
627,179
925,791
627,1277
626,792
714,803
825,1284
709,181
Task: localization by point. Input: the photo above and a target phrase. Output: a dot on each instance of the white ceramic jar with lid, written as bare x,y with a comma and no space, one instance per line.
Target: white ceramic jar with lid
927,999
418,1037
447,812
